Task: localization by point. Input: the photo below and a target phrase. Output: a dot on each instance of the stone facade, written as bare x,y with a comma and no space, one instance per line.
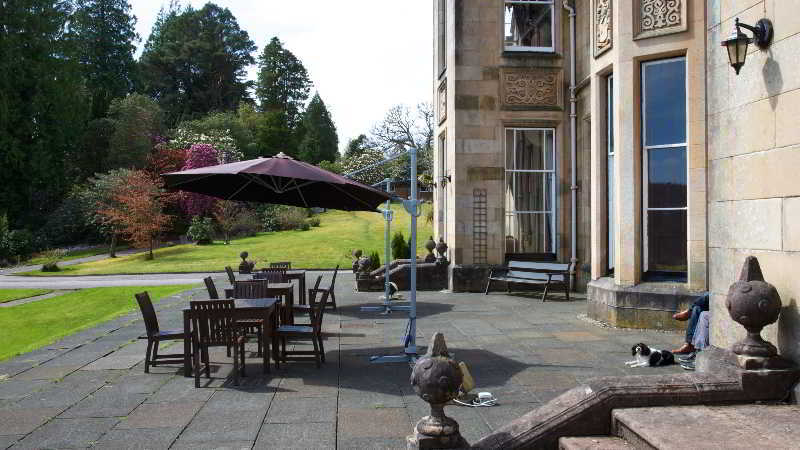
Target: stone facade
753,156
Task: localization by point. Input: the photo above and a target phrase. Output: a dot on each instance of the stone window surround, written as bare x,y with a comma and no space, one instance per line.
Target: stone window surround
532,51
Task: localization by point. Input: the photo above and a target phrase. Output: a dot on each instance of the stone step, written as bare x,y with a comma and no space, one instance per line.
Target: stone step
594,443
728,427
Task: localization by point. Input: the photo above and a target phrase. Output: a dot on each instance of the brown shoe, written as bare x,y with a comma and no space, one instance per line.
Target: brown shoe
686,348
682,316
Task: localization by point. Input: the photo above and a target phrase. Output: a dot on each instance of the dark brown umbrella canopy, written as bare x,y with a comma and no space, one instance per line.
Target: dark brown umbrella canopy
279,180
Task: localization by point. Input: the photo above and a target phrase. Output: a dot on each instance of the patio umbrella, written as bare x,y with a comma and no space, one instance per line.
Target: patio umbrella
280,180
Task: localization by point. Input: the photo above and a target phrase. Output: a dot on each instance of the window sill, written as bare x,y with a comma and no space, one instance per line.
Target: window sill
529,54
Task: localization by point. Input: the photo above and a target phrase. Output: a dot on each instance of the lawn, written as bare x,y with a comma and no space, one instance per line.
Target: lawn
36,324
75,254
319,248
9,295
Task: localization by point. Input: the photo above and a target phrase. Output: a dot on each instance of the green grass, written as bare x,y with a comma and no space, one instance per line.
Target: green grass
36,324
75,254
9,295
319,248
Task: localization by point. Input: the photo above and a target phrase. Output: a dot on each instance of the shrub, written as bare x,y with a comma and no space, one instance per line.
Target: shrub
246,224
400,249
304,226
291,218
19,244
314,221
51,259
200,231
375,261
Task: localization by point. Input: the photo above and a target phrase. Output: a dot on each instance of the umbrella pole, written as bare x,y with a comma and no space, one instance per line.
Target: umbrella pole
410,339
386,308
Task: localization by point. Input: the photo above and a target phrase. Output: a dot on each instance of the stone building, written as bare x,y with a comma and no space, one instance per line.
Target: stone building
670,171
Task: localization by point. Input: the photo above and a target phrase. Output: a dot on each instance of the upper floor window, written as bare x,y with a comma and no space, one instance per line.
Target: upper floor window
441,28
529,25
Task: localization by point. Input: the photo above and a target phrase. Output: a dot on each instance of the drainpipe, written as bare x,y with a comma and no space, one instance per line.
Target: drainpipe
573,117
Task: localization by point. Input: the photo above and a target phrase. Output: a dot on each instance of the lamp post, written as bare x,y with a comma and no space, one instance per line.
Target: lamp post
737,42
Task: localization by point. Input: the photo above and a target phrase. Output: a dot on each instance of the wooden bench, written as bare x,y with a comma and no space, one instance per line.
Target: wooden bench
529,272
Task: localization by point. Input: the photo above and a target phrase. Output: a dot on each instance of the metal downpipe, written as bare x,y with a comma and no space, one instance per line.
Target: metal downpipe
573,144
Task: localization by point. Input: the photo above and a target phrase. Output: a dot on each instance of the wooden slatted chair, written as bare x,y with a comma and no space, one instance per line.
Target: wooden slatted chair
252,289
154,335
332,289
281,265
273,275
231,277
307,307
213,325
211,288
312,332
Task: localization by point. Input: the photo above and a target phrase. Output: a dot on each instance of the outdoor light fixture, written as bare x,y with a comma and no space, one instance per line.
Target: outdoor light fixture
736,44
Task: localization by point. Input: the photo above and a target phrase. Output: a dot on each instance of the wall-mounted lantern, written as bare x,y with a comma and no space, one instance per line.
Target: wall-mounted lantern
444,180
737,42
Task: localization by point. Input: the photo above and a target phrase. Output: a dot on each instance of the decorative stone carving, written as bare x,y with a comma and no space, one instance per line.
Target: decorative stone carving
436,379
245,266
356,256
659,17
430,244
442,101
754,304
602,27
441,248
532,88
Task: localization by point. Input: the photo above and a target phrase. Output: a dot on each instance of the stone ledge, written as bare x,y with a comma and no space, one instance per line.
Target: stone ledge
645,305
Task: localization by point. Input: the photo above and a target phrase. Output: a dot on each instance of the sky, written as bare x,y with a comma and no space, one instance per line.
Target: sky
364,56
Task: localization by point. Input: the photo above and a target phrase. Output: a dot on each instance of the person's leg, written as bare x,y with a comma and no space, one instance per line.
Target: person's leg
690,329
701,303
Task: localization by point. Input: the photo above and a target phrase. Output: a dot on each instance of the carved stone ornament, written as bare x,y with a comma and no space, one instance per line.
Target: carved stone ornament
754,304
602,27
436,379
659,17
532,88
442,101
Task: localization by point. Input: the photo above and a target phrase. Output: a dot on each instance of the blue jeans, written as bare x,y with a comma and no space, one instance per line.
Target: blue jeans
699,305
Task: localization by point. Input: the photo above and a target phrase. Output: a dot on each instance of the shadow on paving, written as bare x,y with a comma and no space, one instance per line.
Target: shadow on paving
424,309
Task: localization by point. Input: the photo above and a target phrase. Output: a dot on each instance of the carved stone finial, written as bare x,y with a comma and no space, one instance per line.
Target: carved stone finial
430,244
436,379
754,304
441,248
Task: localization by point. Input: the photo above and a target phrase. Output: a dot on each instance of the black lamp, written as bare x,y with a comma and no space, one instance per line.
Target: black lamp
737,42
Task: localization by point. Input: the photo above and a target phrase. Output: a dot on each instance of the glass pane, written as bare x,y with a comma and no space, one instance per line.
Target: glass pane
666,241
665,102
442,37
666,175
532,191
610,197
510,149
610,118
528,25
529,233
534,150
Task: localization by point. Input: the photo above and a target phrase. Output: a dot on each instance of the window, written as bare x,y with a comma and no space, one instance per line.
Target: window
529,25
442,183
664,166
610,167
530,190
441,29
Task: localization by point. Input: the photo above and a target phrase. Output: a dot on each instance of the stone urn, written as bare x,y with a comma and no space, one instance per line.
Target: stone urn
753,303
430,245
436,378
245,266
356,256
441,248
364,264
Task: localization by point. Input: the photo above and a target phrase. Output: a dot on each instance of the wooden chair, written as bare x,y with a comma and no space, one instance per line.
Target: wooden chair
332,289
231,277
213,325
252,289
273,275
281,265
154,336
312,332
212,290
307,307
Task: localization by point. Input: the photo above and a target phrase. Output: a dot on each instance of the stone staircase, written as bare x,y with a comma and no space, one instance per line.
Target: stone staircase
697,427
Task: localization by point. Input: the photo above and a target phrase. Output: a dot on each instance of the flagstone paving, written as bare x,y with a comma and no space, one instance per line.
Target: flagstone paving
89,389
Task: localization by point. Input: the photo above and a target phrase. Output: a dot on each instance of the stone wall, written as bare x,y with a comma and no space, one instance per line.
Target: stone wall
753,159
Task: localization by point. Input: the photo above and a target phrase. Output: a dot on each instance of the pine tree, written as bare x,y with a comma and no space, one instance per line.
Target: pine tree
283,83
195,62
104,35
320,142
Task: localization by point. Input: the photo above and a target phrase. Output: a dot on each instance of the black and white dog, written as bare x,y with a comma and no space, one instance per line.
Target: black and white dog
646,356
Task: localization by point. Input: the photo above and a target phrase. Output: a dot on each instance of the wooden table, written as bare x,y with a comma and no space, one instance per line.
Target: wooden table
252,308
299,275
285,290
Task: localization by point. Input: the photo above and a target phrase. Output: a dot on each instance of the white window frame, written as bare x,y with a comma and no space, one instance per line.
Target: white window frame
521,48
443,185
610,170
551,172
645,156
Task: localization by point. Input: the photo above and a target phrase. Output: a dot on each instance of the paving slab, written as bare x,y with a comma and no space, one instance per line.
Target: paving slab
161,415
8,441
108,401
297,436
124,358
302,410
210,425
138,439
67,433
212,445
24,420
373,422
